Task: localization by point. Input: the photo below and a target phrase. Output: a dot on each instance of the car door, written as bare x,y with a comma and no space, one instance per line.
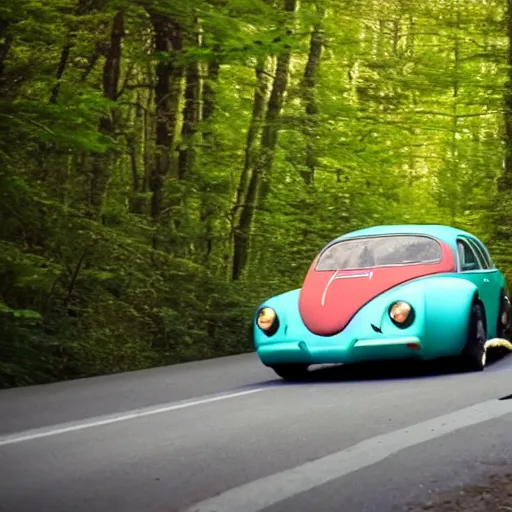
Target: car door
495,279
476,268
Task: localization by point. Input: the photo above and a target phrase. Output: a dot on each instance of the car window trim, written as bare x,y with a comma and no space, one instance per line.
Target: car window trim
485,250
479,252
464,240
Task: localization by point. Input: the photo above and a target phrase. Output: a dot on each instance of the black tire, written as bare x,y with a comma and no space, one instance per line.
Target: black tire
474,354
504,328
503,331
293,372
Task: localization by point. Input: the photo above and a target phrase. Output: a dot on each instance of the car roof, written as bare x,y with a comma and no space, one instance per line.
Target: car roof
447,234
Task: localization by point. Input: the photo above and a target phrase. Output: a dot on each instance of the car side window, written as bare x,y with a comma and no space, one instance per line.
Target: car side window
486,253
479,252
467,257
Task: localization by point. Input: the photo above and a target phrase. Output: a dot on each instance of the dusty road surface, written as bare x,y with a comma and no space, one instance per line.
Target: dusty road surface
492,494
227,435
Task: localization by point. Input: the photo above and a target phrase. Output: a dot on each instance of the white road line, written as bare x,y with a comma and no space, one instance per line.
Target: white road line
265,492
63,428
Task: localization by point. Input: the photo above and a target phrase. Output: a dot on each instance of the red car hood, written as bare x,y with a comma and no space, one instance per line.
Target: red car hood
329,299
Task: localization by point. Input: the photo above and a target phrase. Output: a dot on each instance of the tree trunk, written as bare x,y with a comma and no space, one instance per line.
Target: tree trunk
208,207
270,134
6,41
111,73
454,165
309,95
169,74
83,8
255,127
505,181
136,144
149,139
259,185
191,113
92,61
254,131
209,88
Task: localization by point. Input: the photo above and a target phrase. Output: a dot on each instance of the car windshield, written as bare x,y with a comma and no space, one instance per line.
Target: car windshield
380,251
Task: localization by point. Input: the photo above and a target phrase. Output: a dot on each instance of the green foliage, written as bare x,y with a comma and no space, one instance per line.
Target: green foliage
94,278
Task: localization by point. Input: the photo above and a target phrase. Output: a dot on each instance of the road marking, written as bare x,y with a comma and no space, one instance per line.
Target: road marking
63,428
265,492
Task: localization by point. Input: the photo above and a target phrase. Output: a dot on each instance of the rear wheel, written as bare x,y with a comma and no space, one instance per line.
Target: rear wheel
291,371
504,329
474,355
501,346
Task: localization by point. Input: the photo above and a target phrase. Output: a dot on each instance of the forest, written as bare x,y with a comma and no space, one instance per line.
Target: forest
166,165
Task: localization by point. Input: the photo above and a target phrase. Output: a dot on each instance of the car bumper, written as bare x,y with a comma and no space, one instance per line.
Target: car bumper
359,350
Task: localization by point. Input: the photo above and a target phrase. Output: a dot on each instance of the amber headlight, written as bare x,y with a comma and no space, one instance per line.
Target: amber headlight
401,313
267,321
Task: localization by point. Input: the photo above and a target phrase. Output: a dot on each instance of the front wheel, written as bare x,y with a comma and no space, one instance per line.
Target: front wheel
291,371
474,354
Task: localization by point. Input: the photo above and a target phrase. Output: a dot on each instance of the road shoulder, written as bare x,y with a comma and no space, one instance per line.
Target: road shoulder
493,494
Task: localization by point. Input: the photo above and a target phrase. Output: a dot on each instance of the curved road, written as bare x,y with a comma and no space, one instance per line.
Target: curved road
227,435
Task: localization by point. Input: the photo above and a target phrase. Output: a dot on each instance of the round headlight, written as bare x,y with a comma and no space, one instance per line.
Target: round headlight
401,312
266,319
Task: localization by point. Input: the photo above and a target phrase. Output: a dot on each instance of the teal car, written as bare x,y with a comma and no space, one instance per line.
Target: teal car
387,293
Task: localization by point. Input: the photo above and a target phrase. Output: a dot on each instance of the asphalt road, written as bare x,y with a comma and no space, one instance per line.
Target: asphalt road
227,435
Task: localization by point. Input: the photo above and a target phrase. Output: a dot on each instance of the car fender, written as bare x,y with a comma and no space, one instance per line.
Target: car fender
286,306
442,305
448,301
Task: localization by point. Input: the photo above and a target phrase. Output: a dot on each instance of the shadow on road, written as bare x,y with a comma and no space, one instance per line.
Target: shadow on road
385,370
